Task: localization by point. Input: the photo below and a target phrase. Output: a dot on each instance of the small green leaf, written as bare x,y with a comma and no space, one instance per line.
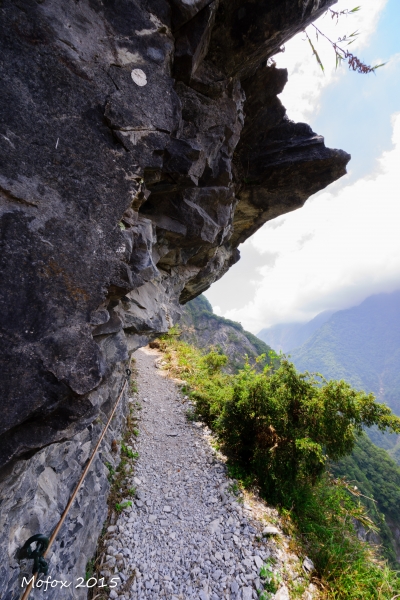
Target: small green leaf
120,507
378,66
316,55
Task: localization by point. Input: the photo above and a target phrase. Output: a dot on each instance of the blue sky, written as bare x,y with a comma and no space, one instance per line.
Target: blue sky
355,110
344,245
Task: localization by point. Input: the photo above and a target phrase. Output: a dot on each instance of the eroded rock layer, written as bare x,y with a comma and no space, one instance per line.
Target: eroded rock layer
141,141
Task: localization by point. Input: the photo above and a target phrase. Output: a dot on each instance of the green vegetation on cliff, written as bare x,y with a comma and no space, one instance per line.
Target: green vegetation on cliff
204,329
279,429
377,477
360,345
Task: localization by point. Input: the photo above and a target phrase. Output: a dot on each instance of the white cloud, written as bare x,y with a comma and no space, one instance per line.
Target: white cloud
342,246
306,80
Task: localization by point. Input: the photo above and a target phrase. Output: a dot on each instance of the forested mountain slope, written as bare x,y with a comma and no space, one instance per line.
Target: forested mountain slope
286,336
362,346
377,477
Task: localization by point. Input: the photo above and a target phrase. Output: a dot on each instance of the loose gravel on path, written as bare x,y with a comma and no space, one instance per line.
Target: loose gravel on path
186,535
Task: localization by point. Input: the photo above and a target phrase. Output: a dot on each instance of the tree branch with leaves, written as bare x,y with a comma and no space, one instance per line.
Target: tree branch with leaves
341,54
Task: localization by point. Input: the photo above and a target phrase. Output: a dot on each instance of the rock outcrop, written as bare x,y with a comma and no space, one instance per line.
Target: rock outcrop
202,328
141,142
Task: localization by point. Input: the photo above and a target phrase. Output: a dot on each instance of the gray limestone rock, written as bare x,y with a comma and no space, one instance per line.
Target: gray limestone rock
270,530
123,188
308,565
33,495
125,131
282,594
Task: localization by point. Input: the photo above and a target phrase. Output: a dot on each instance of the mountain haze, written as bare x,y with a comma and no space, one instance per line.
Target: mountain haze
286,336
361,345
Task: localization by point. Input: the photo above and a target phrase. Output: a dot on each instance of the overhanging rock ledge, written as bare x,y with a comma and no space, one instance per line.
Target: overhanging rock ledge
141,141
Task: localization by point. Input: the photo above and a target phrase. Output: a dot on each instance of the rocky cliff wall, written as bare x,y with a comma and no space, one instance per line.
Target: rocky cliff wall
33,496
141,142
200,327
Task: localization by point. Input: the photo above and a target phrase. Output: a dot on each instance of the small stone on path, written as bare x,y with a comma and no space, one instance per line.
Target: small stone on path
282,594
271,531
247,593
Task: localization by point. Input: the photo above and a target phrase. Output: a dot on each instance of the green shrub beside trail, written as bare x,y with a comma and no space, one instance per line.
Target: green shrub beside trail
285,425
280,429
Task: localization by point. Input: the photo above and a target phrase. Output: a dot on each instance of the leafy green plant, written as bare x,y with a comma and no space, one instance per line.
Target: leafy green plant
111,471
214,361
174,331
132,491
120,506
89,569
191,415
284,425
128,451
299,587
272,585
266,571
324,518
271,579
234,489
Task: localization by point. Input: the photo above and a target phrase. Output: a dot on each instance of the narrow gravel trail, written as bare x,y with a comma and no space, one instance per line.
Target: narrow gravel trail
186,536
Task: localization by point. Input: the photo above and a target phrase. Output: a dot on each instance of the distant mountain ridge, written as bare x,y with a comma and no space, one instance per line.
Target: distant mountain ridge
286,336
361,345
373,471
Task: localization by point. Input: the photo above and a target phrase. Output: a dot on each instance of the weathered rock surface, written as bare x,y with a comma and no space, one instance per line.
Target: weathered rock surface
140,142
35,492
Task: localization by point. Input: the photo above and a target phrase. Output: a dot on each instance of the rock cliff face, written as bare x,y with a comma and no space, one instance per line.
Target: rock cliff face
200,327
141,142
33,495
